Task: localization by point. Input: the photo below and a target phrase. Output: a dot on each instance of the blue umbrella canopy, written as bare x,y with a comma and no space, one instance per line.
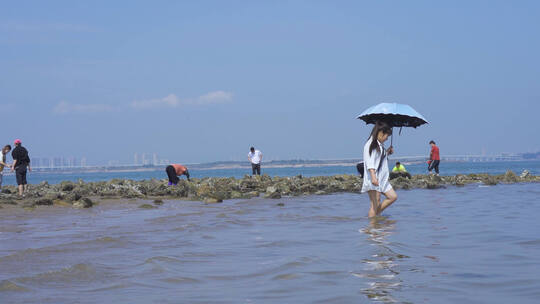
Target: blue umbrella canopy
395,114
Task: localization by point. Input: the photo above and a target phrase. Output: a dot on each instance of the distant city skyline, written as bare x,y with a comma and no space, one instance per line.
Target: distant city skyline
199,82
153,159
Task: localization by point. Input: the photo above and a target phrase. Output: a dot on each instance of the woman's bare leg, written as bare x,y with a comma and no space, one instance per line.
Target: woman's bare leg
391,197
374,197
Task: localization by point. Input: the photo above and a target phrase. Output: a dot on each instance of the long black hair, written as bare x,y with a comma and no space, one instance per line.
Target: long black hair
379,126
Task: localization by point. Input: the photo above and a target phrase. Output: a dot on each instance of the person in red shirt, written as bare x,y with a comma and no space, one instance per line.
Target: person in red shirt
175,170
434,158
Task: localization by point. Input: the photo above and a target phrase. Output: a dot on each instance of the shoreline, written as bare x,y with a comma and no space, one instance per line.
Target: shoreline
224,166
216,189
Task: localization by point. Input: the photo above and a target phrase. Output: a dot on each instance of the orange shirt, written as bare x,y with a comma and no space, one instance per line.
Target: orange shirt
179,169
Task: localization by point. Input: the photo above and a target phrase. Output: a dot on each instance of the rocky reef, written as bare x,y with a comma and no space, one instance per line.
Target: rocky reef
214,190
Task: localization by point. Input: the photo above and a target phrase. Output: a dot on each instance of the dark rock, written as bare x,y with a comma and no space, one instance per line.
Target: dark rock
8,201
236,195
433,185
211,200
43,202
66,186
490,181
83,203
147,206
436,179
28,204
401,183
158,202
272,192
510,177
273,195
44,184
52,195
280,204
252,194
72,197
459,180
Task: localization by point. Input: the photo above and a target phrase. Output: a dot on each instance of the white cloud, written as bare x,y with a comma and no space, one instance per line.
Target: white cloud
64,107
170,100
173,101
215,97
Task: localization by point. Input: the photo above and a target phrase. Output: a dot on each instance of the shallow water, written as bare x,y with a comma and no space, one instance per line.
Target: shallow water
473,244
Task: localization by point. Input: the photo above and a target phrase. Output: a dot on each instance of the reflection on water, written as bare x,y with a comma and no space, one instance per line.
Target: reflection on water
381,270
455,245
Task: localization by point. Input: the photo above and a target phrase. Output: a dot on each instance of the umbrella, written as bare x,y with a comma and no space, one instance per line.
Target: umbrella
395,114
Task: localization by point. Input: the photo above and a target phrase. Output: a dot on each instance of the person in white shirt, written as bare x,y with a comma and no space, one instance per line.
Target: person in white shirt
255,157
376,176
3,163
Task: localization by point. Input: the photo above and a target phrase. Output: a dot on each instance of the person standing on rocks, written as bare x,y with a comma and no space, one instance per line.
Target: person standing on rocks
3,163
434,158
175,170
255,157
21,162
376,176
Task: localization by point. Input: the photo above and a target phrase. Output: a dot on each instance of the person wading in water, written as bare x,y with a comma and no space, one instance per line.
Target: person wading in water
376,176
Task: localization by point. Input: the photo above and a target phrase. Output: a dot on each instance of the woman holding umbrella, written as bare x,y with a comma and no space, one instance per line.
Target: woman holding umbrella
385,116
376,176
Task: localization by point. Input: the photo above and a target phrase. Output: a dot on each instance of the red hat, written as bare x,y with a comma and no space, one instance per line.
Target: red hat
17,141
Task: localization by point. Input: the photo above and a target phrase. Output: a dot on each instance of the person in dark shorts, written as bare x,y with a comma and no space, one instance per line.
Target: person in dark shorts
399,171
21,162
434,158
255,158
175,170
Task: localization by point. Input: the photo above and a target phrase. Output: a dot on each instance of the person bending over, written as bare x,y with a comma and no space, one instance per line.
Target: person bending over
399,171
360,169
175,170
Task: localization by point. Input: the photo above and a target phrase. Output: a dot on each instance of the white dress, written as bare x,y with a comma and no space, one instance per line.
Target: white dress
372,162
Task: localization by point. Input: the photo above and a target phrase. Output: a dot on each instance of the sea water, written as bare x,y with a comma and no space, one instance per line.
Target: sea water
472,244
446,168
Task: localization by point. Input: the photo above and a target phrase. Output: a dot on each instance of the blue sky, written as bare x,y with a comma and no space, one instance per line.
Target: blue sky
204,80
